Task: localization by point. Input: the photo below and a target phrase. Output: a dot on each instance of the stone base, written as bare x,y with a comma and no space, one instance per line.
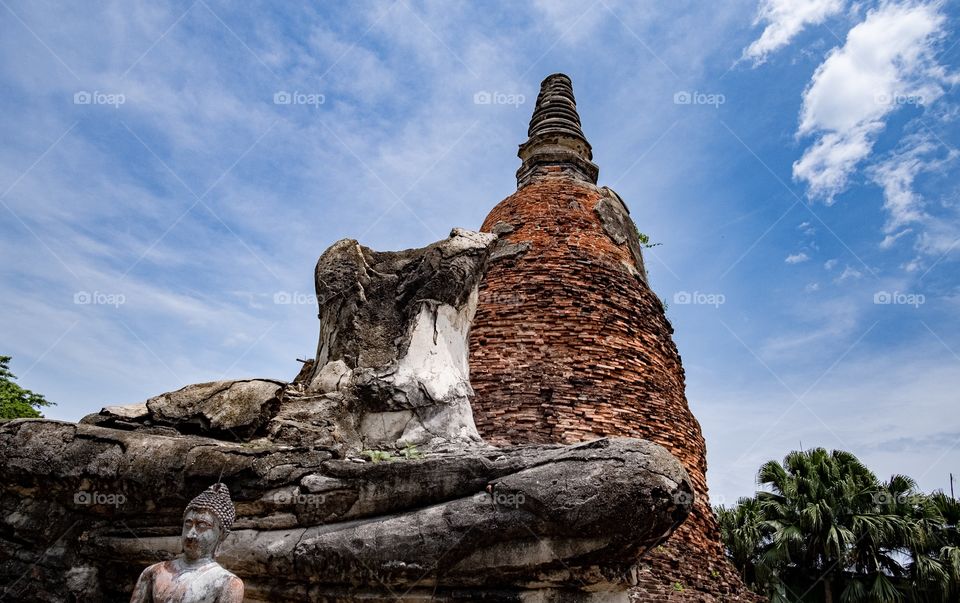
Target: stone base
86,508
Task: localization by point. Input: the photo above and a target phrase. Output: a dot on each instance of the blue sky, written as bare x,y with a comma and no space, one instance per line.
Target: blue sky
795,159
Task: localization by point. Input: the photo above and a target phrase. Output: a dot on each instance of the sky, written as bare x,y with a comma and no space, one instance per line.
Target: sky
170,173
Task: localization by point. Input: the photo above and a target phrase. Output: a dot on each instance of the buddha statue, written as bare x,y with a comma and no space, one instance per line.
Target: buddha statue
194,576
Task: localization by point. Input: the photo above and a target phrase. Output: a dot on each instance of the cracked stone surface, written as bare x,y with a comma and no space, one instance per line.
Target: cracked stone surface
228,409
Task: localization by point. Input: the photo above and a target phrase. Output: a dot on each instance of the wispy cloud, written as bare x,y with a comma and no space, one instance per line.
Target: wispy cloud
783,20
906,209
849,273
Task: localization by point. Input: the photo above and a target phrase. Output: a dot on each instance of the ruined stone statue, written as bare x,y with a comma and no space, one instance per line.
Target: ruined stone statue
194,576
445,518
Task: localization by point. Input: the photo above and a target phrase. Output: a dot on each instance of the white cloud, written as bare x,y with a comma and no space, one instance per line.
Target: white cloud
812,287
797,258
913,265
896,176
889,240
887,61
830,264
785,19
942,236
849,273
827,164
904,206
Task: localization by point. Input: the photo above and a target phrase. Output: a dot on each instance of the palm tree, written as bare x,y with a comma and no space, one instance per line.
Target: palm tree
885,534
948,539
935,549
821,510
741,530
823,517
745,535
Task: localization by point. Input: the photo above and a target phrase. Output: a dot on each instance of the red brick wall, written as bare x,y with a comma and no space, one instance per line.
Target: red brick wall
567,346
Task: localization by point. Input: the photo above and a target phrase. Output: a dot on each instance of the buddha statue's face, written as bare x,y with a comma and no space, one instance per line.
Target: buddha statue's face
201,534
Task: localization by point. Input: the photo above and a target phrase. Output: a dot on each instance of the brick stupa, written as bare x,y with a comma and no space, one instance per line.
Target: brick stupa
569,343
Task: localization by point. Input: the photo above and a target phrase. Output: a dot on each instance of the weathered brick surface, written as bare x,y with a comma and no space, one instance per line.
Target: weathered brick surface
568,346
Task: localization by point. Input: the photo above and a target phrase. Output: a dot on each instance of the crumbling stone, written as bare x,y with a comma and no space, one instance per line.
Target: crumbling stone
227,409
393,338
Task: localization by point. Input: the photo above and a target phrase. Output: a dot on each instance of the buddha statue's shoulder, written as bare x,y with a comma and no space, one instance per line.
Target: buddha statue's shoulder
220,573
161,567
228,584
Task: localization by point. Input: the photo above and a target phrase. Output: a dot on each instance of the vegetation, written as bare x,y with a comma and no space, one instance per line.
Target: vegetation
15,401
645,239
376,456
824,528
410,452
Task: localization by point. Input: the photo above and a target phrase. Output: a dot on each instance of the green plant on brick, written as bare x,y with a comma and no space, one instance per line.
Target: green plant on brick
645,239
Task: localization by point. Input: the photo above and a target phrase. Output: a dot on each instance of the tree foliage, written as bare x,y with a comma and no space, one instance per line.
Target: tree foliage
824,528
15,401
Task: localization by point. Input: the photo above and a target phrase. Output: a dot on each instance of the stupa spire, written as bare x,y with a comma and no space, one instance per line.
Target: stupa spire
556,144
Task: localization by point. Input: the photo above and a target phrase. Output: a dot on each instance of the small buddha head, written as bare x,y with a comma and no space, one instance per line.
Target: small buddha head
206,522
